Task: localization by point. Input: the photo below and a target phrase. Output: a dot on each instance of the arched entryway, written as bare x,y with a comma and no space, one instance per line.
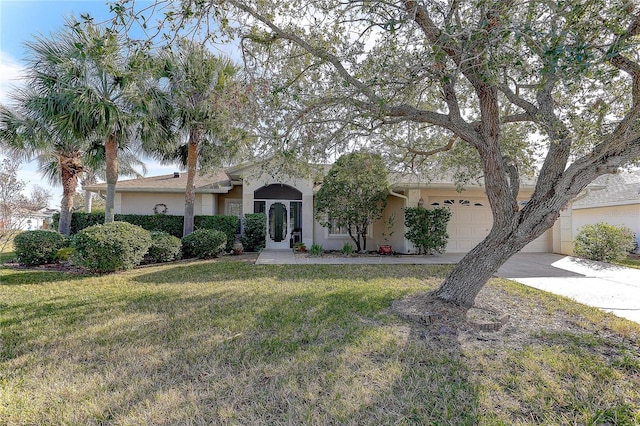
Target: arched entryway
283,207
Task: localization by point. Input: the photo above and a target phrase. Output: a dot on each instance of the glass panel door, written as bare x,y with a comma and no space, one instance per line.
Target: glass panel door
278,225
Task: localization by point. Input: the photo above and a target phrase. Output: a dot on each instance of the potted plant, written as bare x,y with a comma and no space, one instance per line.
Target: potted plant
388,225
300,247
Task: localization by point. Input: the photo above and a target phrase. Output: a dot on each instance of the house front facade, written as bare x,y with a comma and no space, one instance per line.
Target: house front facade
288,204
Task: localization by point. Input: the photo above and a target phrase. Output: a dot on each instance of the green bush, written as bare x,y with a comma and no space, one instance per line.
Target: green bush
172,225
204,243
604,242
427,228
227,224
347,249
316,250
155,222
164,247
64,254
253,236
37,247
111,247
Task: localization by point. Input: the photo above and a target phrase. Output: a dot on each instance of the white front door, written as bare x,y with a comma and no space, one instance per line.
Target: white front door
278,232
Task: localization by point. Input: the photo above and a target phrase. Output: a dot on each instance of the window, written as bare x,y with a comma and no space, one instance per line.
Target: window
338,230
233,207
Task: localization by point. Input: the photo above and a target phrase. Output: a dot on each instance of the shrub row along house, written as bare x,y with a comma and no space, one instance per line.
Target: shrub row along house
288,204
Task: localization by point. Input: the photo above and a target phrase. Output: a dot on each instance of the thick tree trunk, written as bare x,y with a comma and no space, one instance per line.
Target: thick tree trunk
70,171
468,277
111,155
69,184
190,190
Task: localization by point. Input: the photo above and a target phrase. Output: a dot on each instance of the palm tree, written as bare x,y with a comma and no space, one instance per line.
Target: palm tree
58,115
205,99
98,92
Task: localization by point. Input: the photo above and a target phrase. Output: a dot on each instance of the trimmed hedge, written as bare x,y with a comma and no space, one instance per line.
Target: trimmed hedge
255,225
111,247
164,247
38,247
227,224
204,243
172,225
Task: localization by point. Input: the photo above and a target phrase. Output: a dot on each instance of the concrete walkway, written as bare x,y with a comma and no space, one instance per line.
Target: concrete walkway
612,288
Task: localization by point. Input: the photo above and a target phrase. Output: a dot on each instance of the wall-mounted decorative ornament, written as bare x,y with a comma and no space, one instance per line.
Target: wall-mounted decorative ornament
160,209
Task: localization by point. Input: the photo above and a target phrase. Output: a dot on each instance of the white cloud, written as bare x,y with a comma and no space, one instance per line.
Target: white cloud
11,71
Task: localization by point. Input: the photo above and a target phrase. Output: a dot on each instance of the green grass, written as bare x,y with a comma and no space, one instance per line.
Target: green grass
228,342
630,263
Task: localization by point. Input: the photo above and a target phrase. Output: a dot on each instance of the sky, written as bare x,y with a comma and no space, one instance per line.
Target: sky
20,21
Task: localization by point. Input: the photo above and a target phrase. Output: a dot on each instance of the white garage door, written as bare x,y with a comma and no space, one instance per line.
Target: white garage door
471,221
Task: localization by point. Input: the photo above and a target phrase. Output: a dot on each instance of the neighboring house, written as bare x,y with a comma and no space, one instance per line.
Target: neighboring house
614,199
28,220
288,203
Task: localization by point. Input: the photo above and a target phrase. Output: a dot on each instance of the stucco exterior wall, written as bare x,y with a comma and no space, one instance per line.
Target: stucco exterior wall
305,186
628,216
143,203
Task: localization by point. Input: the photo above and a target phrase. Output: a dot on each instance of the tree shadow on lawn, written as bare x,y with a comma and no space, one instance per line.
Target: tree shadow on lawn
14,277
216,271
308,357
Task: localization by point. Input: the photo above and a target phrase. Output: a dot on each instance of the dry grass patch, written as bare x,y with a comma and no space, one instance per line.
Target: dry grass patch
229,342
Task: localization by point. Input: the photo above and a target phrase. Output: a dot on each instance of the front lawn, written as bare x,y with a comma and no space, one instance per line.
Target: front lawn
229,342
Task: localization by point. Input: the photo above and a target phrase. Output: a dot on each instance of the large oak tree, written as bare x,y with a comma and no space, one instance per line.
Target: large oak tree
458,79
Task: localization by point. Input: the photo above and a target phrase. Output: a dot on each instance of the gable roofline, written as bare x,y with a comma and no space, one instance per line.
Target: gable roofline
217,182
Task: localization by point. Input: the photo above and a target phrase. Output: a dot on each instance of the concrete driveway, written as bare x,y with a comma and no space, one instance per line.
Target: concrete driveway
612,288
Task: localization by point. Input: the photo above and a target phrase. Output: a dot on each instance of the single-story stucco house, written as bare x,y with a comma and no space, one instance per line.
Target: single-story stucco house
288,203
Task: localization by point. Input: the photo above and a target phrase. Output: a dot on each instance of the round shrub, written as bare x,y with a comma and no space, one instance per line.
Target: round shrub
38,247
111,247
604,242
204,243
164,247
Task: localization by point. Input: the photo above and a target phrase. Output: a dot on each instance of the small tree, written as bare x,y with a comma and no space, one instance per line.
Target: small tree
353,195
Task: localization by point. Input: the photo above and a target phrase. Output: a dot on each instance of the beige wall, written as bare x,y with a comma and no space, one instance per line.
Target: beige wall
305,186
143,203
628,216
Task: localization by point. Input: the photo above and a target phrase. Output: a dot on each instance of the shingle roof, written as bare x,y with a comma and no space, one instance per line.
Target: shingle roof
615,189
211,182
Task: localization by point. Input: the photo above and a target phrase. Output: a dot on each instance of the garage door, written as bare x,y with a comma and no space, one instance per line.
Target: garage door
470,223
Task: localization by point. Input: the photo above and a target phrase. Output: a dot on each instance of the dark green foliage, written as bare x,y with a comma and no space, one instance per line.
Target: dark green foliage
164,247
158,222
254,232
427,228
111,247
604,242
204,243
227,224
37,247
353,195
